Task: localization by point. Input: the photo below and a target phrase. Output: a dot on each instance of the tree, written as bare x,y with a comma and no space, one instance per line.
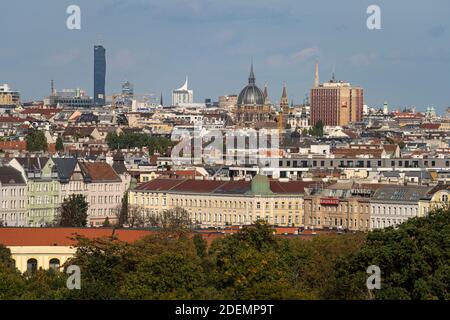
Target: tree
122,212
175,220
249,265
36,140
200,245
414,260
12,284
5,256
166,276
106,223
73,212
136,217
132,140
317,130
104,262
59,144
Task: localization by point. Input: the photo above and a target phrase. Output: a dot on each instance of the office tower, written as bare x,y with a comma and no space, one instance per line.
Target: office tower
99,75
336,103
128,89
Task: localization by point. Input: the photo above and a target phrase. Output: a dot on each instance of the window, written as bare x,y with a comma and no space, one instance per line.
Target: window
54,264
32,265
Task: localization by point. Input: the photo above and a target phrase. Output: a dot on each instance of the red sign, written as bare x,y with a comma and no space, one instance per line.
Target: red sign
329,201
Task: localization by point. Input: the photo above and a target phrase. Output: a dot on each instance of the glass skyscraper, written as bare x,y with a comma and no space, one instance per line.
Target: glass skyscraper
99,75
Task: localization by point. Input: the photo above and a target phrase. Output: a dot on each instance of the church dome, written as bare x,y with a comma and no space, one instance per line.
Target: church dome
251,94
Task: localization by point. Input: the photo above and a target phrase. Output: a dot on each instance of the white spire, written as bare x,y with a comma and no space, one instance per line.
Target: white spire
185,85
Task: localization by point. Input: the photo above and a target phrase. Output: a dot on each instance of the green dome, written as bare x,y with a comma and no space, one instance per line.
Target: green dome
260,185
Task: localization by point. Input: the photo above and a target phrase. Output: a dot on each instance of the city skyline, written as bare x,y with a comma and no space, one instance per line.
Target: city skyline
217,42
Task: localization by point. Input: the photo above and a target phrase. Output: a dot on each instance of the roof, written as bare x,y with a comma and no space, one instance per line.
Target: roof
13,145
62,236
32,163
99,171
219,187
430,126
350,152
390,147
11,119
80,131
400,194
65,167
391,174
9,175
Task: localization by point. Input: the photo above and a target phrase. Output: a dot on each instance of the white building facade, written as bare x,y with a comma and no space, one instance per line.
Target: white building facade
182,95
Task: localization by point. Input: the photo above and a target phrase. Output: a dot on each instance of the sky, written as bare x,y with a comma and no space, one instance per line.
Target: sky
155,44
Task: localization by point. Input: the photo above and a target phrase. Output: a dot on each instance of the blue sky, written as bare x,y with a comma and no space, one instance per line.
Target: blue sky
154,44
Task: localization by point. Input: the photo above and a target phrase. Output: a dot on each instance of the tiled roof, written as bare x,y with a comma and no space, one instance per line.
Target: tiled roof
80,131
99,171
430,126
41,111
9,119
62,236
219,187
13,145
290,187
349,152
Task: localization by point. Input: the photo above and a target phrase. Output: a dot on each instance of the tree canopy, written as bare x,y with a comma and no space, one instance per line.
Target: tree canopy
36,140
159,145
73,212
251,264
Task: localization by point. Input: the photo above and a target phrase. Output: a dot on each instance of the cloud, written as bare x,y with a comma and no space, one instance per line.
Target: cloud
303,55
65,57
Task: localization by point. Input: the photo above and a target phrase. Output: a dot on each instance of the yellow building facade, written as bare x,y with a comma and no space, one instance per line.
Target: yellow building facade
219,203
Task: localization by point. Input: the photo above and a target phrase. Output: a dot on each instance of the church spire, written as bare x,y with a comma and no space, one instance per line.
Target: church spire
284,101
251,78
284,94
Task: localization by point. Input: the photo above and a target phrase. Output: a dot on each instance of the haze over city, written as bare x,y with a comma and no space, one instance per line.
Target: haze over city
156,44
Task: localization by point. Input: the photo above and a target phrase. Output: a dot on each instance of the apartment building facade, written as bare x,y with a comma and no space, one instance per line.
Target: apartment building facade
13,197
391,205
343,206
105,190
42,189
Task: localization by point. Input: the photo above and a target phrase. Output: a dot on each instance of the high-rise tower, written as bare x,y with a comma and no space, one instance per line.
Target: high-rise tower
99,75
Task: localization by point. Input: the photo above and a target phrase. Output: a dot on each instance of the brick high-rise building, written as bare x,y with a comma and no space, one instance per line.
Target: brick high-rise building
336,103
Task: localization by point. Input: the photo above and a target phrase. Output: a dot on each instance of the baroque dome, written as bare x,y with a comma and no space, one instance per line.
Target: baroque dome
251,94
